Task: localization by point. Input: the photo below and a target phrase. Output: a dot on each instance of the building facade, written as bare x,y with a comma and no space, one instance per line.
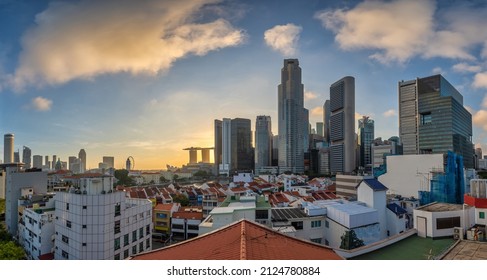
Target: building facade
291,118
365,137
263,142
432,119
342,126
82,157
8,148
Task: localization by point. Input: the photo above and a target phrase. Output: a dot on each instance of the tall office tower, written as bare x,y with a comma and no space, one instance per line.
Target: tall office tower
82,157
109,161
37,161
291,121
17,156
8,148
478,156
342,126
275,150
307,130
26,157
53,163
71,162
432,119
263,142
365,138
217,156
326,121
319,128
237,153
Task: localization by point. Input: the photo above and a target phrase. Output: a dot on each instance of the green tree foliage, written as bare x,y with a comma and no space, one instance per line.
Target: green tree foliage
163,179
123,178
2,205
181,199
350,240
201,173
9,250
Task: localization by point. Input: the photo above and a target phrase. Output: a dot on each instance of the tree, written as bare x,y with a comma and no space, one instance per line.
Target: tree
175,177
9,250
122,175
163,179
201,173
350,240
181,199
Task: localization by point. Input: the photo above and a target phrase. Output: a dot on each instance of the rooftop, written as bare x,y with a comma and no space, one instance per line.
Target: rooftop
242,240
398,210
285,214
375,185
467,250
441,207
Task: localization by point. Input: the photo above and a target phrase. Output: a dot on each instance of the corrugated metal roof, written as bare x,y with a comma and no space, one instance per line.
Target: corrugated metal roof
375,185
285,214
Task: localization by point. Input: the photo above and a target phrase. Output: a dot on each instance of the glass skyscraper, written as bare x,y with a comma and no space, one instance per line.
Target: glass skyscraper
366,136
432,119
263,142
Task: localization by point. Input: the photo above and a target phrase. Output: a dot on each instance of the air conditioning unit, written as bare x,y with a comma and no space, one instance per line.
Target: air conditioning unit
458,233
456,236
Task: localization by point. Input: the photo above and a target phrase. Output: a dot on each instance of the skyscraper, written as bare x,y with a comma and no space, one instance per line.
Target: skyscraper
319,128
82,157
342,125
8,148
37,161
109,161
263,142
53,163
26,157
326,121
237,153
218,146
432,119
366,137
71,162
291,120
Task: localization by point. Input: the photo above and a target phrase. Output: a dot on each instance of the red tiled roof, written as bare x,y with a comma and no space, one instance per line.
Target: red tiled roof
166,207
242,240
188,215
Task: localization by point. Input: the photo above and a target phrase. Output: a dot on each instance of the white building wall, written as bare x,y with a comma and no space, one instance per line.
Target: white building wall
466,218
395,224
408,174
376,200
36,233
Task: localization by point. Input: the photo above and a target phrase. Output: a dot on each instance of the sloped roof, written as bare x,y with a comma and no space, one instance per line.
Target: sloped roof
398,210
242,240
375,185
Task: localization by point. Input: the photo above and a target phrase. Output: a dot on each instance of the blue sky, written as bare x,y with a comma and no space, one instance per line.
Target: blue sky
147,78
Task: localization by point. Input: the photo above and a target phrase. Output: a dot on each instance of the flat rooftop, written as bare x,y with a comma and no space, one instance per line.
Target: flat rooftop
467,250
411,248
441,207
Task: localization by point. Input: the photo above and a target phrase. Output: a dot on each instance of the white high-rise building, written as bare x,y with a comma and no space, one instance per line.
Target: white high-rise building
82,157
95,223
109,161
291,118
342,126
8,148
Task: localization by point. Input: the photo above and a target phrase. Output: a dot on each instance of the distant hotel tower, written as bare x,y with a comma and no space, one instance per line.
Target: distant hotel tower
263,142
8,148
432,119
342,126
292,122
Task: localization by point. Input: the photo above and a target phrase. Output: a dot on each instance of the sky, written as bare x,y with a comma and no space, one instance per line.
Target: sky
148,78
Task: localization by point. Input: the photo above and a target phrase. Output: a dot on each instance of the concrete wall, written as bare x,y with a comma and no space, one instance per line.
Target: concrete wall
376,200
408,174
395,224
466,219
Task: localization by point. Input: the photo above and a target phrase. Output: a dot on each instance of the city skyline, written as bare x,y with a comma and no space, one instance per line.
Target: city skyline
152,87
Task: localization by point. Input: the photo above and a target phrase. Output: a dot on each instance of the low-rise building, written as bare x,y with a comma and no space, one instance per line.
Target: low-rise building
185,222
295,222
162,214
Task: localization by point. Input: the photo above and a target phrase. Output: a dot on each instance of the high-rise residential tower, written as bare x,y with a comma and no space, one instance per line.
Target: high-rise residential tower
8,148
263,142
342,126
319,128
218,146
82,157
37,161
432,119
109,161
26,157
326,121
365,138
291,120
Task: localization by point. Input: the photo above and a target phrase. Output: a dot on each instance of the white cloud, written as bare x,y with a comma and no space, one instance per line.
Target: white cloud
317,111
41,104
309,95
358,116
480,80
283,38
80,40
390,113
386,26
480,119
438,70
465,68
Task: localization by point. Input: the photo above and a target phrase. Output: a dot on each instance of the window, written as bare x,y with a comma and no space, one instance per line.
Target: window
141,247
175,226
444,223
67,206
134,236
126,239
84,206
141,232
425,118
316,240
297,225
147,243
261,214
126,254
65,255
117,243
84,226
117,209
40,239
116,257
193,227
65,239
147,229
327,243
68,224
315,224
83,244
117,227
481,215
327,224
161,215
134,250
141,215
